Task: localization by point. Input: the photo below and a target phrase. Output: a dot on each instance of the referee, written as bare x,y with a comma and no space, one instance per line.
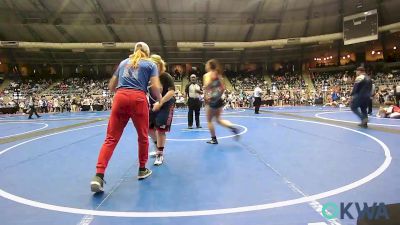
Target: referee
257,99
32,108
361,95
193,91
397,94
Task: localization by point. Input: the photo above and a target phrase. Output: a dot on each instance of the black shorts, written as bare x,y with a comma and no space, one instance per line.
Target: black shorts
216,104
162,119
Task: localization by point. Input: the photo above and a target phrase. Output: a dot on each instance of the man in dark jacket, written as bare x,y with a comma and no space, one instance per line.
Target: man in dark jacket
361,95
371,98
32,107
397,94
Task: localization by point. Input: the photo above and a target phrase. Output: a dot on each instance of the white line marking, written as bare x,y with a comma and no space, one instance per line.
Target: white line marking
13,135
318,115
206,139
60,119
86,220
180,113
355,184
314,204
47,135
379,118
105,116
194,130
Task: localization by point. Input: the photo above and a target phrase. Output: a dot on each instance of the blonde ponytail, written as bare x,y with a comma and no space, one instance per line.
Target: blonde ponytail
159,62
136,57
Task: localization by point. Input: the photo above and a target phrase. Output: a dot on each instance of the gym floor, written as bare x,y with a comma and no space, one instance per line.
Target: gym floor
288,162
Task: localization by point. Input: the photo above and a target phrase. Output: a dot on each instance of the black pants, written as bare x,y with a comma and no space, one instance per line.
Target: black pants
32,110
397,100
257,104
44,109
194,105
361,103
370,106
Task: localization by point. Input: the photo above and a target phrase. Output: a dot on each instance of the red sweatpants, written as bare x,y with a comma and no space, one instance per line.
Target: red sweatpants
128,104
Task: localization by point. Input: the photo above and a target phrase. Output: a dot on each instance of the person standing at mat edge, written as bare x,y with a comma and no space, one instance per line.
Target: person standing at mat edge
361,95
130,81
161,117
257,99
370,102
397,94
193,91
32,108
213,92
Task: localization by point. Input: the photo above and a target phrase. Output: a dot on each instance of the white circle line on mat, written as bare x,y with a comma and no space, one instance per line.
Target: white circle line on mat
242,209
180,113
30,131
59,119
206,139
318,115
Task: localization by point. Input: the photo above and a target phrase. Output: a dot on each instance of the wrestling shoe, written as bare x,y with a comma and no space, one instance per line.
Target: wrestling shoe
159,159
96,185
364,123
144,173
212,141
153,153
235,131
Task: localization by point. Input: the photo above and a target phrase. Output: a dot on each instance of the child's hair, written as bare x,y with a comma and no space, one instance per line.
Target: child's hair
159,61
215,65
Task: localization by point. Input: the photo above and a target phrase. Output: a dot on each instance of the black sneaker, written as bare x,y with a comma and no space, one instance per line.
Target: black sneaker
363,125
142,174
96,185
190,128
199,127
212,141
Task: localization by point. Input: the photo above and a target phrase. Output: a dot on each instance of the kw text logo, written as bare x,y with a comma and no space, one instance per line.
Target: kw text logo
376,211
